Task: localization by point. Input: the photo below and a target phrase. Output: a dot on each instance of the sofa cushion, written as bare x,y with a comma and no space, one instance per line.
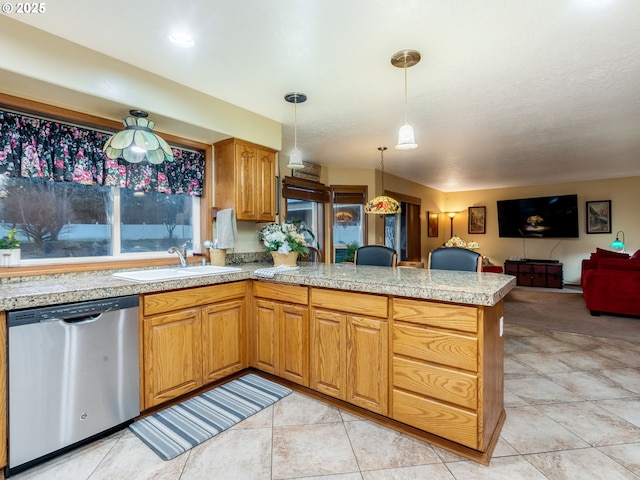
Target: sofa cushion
601,253
619,264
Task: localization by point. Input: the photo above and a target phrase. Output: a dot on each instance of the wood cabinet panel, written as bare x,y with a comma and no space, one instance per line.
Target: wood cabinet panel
223,339
294,342
453,317
358,303
329,351
444,384
367,363
172,355
154,303
266,335
446,421
444,348
266,174
245,179
282,293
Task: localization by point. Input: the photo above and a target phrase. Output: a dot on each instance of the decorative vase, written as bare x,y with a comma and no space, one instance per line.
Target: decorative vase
9,257
288,259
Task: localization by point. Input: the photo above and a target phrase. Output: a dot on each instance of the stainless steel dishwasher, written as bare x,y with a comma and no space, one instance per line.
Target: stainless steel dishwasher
73,375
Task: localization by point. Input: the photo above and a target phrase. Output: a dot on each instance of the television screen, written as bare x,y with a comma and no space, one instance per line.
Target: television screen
551,217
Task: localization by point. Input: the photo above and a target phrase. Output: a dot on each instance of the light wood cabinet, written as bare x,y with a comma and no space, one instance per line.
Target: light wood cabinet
245,180
281,331
447,372
191,337
349,347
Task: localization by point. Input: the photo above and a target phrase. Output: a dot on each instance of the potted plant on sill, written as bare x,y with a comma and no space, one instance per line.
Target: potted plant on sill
10,249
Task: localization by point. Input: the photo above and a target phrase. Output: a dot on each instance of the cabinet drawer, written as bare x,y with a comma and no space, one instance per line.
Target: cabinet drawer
155,303
351,302
282,293
436,382
449,349
445,421
454,317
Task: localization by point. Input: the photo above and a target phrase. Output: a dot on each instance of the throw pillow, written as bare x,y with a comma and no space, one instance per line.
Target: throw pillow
636,256
601,253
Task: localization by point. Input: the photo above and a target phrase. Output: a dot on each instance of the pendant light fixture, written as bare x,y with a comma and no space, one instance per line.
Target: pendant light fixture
405,59
382,205
137,142
295,157
617,243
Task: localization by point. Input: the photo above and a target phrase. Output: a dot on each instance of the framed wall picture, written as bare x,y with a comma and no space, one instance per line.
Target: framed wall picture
476,219
599,216
432,224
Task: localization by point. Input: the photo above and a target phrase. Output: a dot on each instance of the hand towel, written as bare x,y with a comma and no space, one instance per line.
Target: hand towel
226,229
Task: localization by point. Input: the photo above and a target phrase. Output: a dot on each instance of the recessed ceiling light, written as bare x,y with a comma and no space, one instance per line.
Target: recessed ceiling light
181,39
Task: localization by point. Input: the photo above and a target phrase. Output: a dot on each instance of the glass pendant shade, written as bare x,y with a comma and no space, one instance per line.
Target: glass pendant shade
137,142
383,205
617,243
295,159
406,138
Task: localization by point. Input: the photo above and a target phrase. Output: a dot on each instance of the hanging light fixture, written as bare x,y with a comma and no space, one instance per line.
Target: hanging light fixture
137,142
617,243
405,59
295,157
382,205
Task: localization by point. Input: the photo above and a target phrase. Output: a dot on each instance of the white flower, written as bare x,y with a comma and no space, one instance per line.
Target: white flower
285,237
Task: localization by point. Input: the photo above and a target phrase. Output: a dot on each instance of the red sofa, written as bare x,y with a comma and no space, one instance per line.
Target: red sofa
611,283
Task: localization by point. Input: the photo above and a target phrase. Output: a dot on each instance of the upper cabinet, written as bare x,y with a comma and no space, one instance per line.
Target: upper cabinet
245,180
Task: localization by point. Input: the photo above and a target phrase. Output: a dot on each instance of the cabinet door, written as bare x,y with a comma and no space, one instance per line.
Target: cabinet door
328,347
246,182
223,342
266,197
266,336
172,355
367,363
294,343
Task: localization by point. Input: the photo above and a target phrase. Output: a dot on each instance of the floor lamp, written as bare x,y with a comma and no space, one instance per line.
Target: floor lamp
451,216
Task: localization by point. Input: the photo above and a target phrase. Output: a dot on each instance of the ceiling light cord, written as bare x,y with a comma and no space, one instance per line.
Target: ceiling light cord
406,103
295,124
382,149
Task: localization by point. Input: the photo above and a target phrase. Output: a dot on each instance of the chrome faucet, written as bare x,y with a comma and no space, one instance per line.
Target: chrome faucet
182,253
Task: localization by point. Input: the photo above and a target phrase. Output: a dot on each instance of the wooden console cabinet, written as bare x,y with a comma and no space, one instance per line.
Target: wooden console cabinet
535,273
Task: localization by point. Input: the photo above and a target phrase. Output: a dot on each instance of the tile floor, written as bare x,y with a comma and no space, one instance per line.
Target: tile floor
573,412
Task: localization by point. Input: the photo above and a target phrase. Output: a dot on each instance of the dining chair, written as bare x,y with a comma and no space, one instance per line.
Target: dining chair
455,258
376,255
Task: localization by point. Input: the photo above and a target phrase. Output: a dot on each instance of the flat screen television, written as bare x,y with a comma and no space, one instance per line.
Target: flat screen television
540,217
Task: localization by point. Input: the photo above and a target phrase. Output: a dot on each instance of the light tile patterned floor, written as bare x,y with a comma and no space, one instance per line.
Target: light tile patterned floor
573,412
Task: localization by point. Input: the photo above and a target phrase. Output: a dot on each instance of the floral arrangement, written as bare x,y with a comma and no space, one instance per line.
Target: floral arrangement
10,241
458,242
455,242
284,237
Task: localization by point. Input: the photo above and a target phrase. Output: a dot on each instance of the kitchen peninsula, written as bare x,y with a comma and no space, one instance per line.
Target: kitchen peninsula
414,349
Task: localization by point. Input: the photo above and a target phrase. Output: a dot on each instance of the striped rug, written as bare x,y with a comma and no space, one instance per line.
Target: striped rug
181,427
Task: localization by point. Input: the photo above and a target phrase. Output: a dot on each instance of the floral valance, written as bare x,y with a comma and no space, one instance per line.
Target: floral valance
31,147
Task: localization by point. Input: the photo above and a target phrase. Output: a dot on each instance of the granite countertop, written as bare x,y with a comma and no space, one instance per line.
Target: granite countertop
459,287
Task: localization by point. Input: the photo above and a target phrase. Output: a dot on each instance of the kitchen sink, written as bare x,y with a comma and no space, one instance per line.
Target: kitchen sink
151,275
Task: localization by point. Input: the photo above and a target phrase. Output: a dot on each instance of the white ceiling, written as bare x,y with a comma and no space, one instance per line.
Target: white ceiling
508,92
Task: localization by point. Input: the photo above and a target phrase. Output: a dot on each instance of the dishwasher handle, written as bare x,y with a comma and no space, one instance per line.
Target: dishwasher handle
82,319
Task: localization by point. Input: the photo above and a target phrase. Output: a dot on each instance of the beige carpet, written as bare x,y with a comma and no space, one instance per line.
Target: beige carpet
564,310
